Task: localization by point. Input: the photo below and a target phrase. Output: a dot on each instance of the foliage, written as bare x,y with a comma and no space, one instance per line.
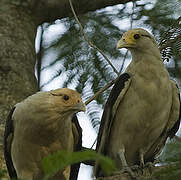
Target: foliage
85,69
171,158
171,152
165,21
60,160
2,173
170,172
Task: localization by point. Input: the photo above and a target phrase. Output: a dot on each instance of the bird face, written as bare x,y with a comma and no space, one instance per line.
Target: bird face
65,99
135,38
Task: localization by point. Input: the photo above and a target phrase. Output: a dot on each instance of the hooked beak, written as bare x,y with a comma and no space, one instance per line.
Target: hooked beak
121,44
126,43
81,107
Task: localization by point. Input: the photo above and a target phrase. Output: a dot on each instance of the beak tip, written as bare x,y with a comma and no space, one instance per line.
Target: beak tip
120,44
84,109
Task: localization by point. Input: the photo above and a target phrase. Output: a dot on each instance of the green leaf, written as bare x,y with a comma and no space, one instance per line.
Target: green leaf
171,152
61,159
2,173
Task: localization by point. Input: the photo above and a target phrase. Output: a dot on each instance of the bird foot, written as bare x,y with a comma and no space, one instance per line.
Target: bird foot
136,167
149,166
130,170
142,165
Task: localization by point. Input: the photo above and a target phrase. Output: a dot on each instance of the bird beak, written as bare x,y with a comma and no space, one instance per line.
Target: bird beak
81,107
121,44
125,42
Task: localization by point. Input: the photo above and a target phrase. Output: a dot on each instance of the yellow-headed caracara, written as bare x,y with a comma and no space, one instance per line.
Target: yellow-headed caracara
43,123
143,108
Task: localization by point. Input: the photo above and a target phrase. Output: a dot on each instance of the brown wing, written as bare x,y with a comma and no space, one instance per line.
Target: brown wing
8,137
78,146
173,130
107,117
171,127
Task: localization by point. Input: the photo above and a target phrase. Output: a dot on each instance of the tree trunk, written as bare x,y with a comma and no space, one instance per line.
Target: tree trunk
18,23
17,60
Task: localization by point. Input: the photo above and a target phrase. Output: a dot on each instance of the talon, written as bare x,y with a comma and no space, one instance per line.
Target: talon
141,154
129,171
125,166
136,167
150,166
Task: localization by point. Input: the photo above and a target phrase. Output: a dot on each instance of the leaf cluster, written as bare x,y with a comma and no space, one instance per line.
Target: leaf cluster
85,69
61,159
171,159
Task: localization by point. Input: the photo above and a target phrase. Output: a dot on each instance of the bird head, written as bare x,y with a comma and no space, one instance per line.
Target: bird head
66,100
140,40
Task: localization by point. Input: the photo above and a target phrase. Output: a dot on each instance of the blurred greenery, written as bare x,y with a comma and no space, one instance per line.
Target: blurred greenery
172,152
2,173
61,159
171,159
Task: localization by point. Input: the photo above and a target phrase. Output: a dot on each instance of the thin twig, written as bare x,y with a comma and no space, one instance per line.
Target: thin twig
101,90
89,42
97,94
170,42
94,143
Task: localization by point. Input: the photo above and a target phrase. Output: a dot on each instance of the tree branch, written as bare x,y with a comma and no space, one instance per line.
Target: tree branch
102,53
148,173
89,42
101,90
49,11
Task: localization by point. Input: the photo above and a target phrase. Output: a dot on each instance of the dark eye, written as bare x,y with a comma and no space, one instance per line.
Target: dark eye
136,36
65,97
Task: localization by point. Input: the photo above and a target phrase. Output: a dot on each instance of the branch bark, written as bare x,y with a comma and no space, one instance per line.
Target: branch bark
17,59
148,173
51,10
89,42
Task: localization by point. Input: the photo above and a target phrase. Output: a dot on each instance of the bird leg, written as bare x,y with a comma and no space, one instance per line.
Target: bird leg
122,157
66,173
125,164
148,165
141,155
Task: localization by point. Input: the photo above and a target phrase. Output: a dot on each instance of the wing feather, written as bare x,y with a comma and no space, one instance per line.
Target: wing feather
77,131
117,93
176,112
8,137
170,129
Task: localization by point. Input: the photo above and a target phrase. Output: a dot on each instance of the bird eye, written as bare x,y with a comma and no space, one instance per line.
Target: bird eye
65,97
136,36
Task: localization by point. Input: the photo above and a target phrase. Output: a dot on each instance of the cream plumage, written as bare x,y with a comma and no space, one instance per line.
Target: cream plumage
41,124
143,108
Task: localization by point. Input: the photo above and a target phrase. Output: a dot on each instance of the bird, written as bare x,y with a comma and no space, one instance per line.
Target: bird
42,124
143,108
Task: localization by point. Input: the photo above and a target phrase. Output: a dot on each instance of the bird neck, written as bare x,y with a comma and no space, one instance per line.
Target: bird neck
148,54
